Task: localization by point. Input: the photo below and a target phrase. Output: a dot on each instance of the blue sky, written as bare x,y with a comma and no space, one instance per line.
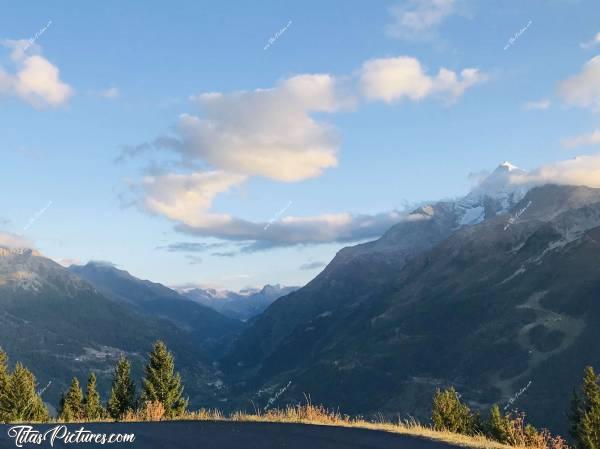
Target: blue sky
165,138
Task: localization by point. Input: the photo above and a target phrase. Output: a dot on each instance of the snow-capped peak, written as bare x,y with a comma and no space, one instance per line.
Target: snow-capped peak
508,166
495,194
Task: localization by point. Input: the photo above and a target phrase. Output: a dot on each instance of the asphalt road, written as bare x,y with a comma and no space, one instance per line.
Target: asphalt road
224,435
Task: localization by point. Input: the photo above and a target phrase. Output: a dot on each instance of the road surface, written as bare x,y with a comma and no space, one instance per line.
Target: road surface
219,435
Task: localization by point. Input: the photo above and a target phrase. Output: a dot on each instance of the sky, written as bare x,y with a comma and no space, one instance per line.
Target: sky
235,144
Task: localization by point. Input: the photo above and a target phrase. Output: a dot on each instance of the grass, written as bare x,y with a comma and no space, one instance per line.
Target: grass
321,416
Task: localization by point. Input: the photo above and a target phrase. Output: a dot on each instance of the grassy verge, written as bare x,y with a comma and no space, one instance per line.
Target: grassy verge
319,415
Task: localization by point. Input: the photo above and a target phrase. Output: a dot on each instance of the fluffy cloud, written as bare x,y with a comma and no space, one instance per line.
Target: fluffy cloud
582,170
35,80
583,89
187,198
418,19
290,230
393,79
272,133
592,138
265,132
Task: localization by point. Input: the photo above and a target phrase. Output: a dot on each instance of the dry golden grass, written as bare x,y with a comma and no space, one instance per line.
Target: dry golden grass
319,415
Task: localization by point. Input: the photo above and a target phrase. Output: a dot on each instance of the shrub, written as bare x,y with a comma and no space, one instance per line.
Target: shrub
450,414
511,429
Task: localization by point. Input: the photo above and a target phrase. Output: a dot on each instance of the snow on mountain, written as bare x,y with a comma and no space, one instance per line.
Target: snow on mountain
496,194
241,305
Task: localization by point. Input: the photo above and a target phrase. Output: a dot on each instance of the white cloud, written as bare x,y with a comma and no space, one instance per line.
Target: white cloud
291,230
272,133
592,43
188,198
35,80
394,79
539,105
583,89
419,19
265,132
592,138
582,170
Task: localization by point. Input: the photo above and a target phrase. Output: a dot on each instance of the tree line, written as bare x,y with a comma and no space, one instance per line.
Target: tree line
450,414
162,397
161,393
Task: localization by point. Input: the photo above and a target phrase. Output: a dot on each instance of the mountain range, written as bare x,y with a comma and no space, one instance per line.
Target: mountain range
242,305
490,293
204,324
61,325
494,293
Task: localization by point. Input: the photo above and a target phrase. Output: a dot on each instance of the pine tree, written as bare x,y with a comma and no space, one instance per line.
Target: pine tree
162,383
3,370
122,395
3,380
585,415
498,425
72,407
93,409
20,401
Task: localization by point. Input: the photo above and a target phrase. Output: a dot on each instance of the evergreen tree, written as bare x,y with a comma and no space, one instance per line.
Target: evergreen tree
585,414
162,383
20,401
498,425
3,370
122,395
3,380
92,405
450,414
72,407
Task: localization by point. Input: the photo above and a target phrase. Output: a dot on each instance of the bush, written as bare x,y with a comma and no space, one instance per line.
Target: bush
450,414
512,429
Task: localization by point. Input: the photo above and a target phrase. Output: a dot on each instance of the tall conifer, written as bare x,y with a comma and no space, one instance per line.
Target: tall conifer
162,383
122,395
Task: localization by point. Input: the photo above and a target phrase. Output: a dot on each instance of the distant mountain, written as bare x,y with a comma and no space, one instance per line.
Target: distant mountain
207,326
61,326
507,302
243,305
357,272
